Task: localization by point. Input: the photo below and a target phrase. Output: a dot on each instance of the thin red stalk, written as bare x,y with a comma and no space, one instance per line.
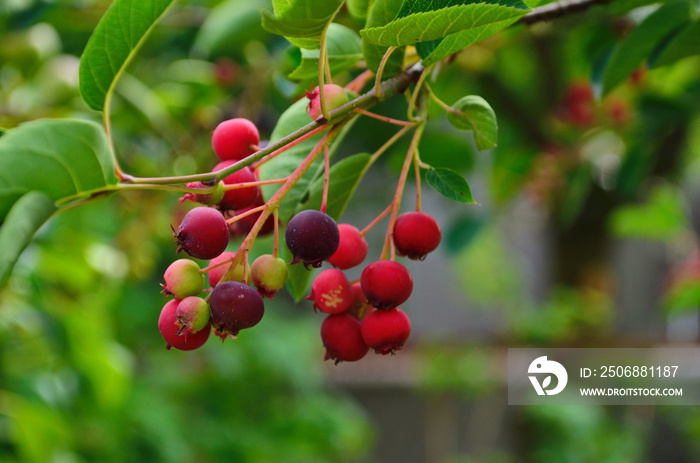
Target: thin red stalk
326,177
238,217
383,118
416,167
256,183
359,82
284,148
375,221
396,202
276,243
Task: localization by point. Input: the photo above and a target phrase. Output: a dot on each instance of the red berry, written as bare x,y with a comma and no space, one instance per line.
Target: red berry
312,237
269,274
182,279
416,234
235,306
168,327
359,307
386,331
235,139
217,273
386,284
203,233
331,291
192,315
342,337
240,197
335,96
352,248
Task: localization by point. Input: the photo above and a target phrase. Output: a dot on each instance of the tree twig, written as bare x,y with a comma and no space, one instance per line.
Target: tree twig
558,9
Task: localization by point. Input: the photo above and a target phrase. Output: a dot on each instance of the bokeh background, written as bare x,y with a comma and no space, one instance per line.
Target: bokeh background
585,236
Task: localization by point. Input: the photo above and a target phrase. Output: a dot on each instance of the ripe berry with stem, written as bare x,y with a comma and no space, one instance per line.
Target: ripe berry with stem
203,233
342,337
352,248
416,234
386,331
169,329
182,279
312,237
235,306
331,291
386,284
235,139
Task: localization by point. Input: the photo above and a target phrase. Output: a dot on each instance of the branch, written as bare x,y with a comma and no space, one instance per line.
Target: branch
558,9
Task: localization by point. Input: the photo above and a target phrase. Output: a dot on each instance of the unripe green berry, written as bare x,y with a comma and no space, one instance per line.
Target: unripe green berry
183,279
269,274
192,313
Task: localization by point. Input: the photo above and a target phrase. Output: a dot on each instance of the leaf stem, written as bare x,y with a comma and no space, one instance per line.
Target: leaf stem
380,70
326,177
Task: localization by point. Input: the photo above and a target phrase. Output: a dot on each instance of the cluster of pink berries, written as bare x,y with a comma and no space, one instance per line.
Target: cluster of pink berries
361,315
232,305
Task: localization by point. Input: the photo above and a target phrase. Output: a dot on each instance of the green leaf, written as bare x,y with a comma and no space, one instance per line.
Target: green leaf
59,157
435,50
642,41
344,50
358,8
26,217
431,25
300,21
684,44
113,43
382,12
229,26
421,6
345,176
474,113
662,217
450,184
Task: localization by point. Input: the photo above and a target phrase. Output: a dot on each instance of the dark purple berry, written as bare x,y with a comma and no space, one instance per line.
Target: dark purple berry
235,306
312,237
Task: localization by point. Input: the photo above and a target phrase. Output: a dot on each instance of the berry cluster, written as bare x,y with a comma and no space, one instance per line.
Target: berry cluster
231,209
361,315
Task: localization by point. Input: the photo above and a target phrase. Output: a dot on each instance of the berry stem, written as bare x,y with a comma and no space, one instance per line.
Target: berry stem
238,217
384,118
416,168
251,184
388,144
284,148
375,221
326,177
396,202
358,83
380,70
323,71
418,98
276,242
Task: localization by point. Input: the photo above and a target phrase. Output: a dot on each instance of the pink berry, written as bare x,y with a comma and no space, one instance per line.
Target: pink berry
342,337
386,284
416,234
335,97
168,327
312,237
217,273
331,291
386,331
352,249
235,139
192,314
235,306
269,274
240,197
203,233
182,279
